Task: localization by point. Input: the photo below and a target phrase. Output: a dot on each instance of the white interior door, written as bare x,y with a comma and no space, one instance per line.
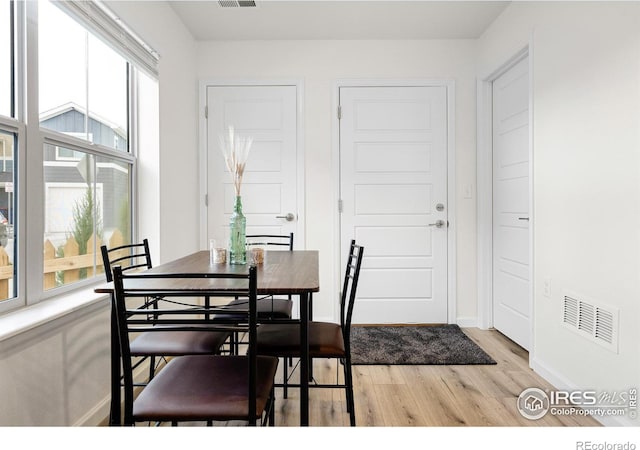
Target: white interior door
269,187
511,246
393,168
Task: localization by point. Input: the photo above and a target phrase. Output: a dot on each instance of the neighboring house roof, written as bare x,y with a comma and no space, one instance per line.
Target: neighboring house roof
70,106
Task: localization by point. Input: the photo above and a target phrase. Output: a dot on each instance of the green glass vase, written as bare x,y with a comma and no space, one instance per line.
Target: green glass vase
238,235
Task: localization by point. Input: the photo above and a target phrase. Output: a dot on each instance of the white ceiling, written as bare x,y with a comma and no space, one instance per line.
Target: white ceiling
335,19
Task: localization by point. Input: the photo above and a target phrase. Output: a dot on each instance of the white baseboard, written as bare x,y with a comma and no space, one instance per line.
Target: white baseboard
97,416
560,382
467,322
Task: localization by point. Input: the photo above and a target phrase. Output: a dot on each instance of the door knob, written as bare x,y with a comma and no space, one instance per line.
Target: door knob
437,224
289,217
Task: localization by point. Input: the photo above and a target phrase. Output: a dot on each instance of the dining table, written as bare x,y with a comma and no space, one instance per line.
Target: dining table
294,273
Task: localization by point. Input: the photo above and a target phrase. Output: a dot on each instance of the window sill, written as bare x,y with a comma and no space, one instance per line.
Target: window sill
31,317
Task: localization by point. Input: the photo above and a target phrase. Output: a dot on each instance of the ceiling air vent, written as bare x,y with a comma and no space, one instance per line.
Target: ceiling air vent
597,323
237,3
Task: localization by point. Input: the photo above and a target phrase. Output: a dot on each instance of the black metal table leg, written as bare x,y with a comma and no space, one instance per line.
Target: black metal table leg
114,415
304,360
310,302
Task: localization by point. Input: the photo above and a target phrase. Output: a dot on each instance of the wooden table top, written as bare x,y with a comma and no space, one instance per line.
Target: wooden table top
283,272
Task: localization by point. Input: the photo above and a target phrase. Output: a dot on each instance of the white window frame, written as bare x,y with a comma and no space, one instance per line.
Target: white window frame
100,22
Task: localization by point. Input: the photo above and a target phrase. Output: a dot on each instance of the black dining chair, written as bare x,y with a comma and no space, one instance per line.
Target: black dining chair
269,307
158,345
191,388
133,257
326,339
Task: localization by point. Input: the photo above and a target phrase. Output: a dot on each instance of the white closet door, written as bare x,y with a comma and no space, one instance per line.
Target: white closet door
269,188
511,301
393,165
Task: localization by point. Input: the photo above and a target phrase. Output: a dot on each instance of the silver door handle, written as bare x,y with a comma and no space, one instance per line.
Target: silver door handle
290,217
437,224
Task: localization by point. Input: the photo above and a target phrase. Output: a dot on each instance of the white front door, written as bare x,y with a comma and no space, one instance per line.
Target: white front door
393,188
511,301
269,187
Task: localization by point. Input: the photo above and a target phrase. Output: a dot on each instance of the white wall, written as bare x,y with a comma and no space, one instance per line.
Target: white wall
320,64
175,231
57,374
586,162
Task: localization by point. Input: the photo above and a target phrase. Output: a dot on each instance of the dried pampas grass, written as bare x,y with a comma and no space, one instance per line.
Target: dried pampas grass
235,150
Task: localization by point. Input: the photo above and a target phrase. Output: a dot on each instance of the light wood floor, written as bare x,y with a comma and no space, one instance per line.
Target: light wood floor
426,396
423,396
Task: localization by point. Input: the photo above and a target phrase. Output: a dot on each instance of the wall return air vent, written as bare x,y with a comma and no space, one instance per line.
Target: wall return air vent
237,3
595,322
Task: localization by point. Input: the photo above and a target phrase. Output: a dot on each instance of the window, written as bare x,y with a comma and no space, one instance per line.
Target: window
86,203
83,82
84,71
7,34
8,143
8,286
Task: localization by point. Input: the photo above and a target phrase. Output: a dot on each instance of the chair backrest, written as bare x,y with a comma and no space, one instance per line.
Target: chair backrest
173,291
271,240
349,287
128,257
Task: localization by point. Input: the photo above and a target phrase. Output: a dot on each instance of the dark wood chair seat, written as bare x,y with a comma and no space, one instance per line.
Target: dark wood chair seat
178,343
325,340
215,387
268,308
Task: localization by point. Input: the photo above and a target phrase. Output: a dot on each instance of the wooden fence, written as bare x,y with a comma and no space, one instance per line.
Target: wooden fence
69,266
